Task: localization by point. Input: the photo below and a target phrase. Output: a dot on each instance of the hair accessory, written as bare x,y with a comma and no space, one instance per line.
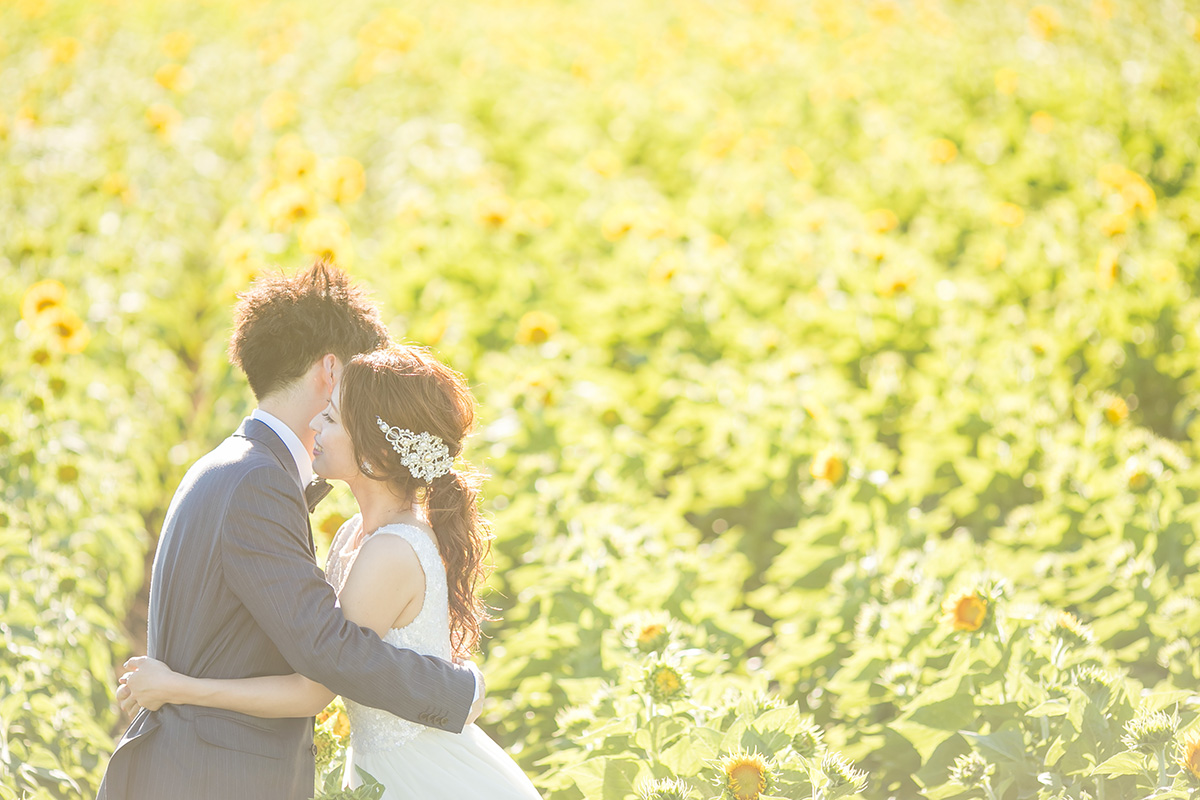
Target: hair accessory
425,455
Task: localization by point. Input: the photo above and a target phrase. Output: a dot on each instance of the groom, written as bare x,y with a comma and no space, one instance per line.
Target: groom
235,590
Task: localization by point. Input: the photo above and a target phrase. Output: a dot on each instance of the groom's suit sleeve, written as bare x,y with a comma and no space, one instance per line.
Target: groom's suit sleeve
268,562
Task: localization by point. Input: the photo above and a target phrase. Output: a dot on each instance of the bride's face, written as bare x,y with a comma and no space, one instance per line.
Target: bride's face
333,452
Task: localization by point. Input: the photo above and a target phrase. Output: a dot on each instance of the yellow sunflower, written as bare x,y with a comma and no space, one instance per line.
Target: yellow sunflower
1189,753
536,327
66,329
966,611
746,776
828,466
40,298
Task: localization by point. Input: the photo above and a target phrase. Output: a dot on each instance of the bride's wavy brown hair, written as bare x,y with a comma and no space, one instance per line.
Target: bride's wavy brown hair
408,388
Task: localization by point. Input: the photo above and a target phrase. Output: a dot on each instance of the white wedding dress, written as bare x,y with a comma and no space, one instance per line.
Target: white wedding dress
411,760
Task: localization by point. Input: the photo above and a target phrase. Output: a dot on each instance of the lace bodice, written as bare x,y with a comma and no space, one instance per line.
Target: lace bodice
371,729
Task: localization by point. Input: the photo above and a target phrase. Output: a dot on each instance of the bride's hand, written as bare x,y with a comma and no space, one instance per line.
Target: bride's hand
149,682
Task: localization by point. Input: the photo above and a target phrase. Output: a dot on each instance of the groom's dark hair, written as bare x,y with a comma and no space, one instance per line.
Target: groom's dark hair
284,323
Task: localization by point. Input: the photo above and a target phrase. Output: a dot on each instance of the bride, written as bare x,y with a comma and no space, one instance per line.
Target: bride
407,567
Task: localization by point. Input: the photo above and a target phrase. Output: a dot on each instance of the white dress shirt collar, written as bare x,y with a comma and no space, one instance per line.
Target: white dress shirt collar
294,446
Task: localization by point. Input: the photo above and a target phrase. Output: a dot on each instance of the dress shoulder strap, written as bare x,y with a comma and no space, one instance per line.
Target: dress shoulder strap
426,550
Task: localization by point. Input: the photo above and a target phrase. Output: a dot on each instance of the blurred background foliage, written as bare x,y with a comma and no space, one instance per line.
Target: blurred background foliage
857,340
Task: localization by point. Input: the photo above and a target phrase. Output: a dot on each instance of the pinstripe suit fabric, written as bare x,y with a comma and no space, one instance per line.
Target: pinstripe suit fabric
235,592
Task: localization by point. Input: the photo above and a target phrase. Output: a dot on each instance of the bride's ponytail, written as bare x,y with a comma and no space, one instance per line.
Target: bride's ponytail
465,540
405,389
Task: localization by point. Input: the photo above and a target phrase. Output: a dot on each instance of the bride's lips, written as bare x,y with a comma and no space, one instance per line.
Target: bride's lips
316,451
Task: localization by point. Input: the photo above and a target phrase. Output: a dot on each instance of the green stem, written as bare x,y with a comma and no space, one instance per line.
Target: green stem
1161,754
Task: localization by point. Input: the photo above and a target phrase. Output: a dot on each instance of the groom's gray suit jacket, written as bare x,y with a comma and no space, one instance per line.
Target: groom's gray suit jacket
235,593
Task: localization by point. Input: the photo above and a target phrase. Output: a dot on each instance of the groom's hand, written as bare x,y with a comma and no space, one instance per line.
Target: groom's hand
480,692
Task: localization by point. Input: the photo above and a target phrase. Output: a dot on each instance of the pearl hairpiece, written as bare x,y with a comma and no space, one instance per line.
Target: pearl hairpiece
425,455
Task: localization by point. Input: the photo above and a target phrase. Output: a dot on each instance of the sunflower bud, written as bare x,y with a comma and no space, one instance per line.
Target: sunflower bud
574,720
810,740
841,776
970,770
666,789
652,637
664,682
1067,628
1097,684
1151,732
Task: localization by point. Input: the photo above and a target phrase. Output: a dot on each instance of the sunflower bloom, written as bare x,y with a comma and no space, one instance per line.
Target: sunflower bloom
1132,189
943,151
966,611
798,163
66,329
288,203
604,163
345,179
1045,21
340,727
293,161
828,466
746,776
617,222
64,49
1108,267
174,78
163,119
534,214
1009,215
332,524
1189,753
1140,473
40,298
1116,410
1007,80
882,220
177,44
279,109
536,327
392,30
494,210
1042,122
327,237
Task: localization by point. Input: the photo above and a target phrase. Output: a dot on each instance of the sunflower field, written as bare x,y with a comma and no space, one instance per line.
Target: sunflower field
836,363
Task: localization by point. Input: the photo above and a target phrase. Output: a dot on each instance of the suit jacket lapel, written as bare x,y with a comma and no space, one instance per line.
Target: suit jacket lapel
260,432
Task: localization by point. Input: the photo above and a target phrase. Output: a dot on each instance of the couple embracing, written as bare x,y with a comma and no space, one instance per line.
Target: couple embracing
248,639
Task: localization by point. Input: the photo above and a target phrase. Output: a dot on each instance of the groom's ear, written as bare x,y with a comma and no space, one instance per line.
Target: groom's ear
331,372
